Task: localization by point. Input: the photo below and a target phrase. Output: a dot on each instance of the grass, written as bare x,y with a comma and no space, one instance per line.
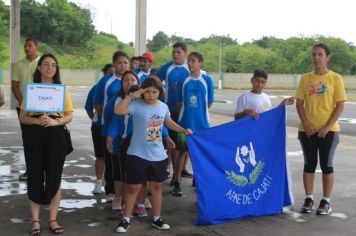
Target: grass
94,55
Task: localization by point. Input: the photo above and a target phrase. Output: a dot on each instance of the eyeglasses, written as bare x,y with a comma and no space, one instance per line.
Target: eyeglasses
53,65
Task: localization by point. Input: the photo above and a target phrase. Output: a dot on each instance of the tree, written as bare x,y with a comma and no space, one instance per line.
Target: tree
226,40
56,21
4,27
174,39
159,41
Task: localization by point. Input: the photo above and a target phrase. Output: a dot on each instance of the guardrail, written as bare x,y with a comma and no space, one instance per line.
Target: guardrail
230,80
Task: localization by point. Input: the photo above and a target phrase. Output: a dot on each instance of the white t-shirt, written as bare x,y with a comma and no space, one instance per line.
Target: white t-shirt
257,102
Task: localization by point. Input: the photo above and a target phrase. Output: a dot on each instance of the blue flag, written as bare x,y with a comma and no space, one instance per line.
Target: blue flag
240,168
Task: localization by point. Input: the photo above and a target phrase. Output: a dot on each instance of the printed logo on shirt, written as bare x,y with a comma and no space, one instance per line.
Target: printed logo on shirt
265,106
154,128
193,101
317,89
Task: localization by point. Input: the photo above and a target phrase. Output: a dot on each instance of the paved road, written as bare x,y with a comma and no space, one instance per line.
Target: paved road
83,214
226,105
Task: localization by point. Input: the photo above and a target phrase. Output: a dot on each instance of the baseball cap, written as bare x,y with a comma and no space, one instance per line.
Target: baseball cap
147,55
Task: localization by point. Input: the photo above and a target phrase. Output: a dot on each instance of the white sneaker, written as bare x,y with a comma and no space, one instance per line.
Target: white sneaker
110,197
116,204
98,187
148,204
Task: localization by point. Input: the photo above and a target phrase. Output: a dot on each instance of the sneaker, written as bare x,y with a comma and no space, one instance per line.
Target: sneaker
172,181
177,191
97,188
23,177
324,208
148,204
160,224
116,204
186,174
122,226
308,206
110,197
141,212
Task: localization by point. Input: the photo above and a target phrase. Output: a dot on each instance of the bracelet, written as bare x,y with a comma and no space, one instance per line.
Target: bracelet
131,96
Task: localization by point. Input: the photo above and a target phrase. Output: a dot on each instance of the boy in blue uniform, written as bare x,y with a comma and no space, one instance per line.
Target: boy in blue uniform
144,70
195,95
96,133
106,88
171,73
97,140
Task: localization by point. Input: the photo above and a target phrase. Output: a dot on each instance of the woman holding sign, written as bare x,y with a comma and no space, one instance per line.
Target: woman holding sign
45,147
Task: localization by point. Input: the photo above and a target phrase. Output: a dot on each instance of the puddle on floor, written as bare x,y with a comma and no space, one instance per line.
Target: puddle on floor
292,215
341,216
81,188
95,224
17,221
83,166
6,133
295,154
77,203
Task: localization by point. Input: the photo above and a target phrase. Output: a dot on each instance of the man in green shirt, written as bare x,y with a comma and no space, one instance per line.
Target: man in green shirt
22,73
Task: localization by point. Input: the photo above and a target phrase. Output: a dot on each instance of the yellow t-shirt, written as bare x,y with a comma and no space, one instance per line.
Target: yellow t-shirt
320,94
23,72
68,106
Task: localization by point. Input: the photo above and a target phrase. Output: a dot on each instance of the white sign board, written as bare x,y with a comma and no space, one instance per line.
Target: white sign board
49,98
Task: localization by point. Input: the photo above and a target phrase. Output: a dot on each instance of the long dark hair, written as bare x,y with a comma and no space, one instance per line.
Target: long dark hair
122,93
37,74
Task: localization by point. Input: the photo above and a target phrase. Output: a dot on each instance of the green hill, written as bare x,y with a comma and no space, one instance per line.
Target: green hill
97,52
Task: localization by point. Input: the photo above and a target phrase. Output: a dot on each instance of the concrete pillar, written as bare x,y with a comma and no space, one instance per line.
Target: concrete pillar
14,39
141,25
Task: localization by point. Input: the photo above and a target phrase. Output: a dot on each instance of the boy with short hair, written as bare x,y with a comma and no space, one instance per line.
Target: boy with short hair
134,63
195,95
254,102
171,73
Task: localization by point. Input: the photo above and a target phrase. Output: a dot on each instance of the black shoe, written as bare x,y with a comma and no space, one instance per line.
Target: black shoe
23,177
324,208
122,226
177,191
172,181
160,224
186,174
308,206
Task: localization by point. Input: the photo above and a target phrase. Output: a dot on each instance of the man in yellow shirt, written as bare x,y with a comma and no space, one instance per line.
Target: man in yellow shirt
22,73
320,102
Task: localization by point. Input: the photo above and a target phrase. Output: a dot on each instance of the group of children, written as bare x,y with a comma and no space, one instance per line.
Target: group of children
141,118
136,120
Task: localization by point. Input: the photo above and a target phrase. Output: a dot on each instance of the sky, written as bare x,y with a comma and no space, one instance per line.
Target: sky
243,20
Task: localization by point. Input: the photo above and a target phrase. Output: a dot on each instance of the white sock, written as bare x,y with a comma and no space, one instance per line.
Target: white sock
127,219
309,196
327,199
140,205
99,181
155,218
